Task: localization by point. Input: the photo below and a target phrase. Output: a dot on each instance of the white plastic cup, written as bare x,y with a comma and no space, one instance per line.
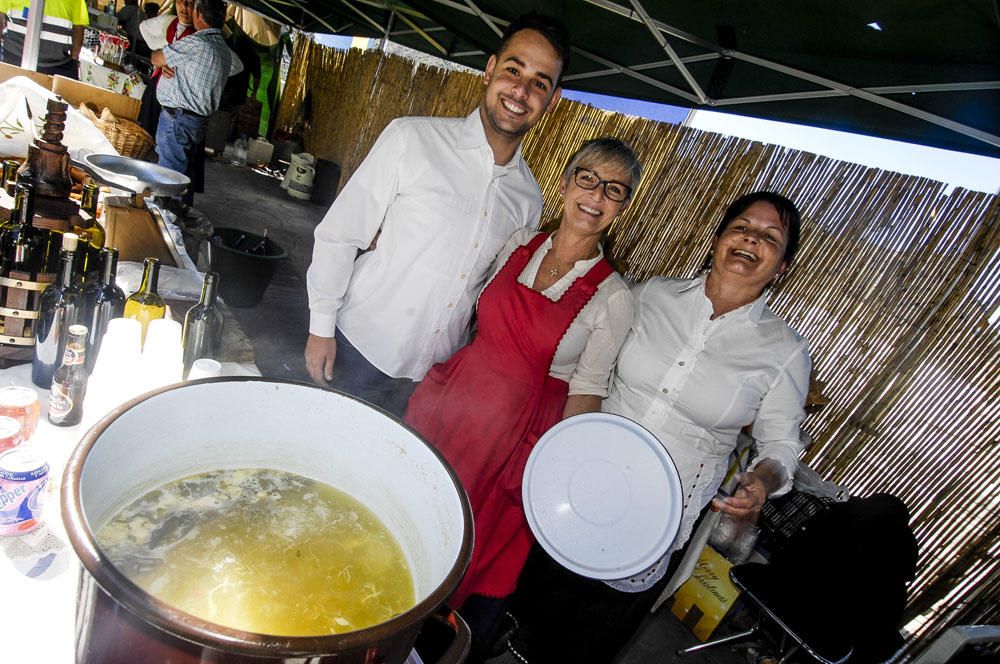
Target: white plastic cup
162,354
205,368
122,344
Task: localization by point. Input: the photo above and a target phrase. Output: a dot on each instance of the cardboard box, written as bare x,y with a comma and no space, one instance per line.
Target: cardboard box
10,71
704,600
76,93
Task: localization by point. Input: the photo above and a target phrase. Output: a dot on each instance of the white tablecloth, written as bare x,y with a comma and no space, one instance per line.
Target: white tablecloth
112,79
39,570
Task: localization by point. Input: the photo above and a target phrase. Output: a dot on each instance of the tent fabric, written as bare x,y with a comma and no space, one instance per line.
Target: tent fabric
261,30
920,71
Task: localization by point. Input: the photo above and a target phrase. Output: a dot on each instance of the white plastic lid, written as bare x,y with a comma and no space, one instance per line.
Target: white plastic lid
602,496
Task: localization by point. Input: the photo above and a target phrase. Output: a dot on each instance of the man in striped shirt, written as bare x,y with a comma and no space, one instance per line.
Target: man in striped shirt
61,37
194,72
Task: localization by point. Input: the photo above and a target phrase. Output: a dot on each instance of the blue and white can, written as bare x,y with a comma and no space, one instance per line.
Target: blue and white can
24,476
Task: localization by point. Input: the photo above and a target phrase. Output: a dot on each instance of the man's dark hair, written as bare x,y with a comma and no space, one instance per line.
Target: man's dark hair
151,9
552,29
213,12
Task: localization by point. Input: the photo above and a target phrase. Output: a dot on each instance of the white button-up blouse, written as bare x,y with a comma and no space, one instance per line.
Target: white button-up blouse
695,382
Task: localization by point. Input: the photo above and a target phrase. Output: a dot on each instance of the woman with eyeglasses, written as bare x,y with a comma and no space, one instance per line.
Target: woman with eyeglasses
705,358
551,320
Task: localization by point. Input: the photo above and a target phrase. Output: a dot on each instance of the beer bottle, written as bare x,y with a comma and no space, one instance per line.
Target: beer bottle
69,383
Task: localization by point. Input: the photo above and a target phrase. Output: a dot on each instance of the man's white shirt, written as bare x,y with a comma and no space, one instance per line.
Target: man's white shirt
445,210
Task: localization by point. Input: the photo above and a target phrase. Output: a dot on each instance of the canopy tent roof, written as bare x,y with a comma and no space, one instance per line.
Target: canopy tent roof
921,71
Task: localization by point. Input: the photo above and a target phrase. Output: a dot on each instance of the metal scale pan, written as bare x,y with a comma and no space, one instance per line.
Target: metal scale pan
137,230
140,177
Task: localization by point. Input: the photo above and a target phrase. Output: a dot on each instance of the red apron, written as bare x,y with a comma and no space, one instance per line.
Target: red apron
485,408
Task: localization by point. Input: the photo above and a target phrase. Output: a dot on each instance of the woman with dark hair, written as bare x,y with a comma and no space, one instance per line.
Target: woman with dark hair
551,321
705,357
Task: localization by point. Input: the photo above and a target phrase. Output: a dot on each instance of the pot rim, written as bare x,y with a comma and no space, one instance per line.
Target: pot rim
191,628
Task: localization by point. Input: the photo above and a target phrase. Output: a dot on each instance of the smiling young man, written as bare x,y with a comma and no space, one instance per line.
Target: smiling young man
442,195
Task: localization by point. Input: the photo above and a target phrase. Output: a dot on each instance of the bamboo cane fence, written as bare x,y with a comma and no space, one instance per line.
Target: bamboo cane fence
896,287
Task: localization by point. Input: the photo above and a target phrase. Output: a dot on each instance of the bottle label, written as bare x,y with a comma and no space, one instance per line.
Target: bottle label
72,356
60,404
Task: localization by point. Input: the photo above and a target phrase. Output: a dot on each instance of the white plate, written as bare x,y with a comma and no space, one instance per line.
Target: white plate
602,496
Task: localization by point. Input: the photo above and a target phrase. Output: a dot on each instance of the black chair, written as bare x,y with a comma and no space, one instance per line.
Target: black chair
799,629
837,589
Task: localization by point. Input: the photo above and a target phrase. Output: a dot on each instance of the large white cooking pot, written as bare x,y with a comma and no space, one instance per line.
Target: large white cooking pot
246,423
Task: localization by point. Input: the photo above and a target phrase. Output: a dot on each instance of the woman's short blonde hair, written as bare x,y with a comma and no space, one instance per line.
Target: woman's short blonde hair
607,150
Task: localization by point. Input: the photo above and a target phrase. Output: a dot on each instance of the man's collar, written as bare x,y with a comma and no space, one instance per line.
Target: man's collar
474,136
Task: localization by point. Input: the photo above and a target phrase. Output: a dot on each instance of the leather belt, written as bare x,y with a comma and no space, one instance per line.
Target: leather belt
182,111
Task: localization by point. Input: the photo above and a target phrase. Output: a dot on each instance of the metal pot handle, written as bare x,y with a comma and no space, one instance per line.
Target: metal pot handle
459,648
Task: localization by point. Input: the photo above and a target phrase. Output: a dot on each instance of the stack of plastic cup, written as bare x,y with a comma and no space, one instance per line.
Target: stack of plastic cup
114,379
162,360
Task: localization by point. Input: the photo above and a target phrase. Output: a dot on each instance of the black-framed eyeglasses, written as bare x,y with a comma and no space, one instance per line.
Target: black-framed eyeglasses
588,179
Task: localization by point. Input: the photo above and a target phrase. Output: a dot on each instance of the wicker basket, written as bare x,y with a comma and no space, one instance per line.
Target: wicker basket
127,137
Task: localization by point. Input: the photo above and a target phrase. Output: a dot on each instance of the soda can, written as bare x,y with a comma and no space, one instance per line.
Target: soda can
22,404
24,475
10,433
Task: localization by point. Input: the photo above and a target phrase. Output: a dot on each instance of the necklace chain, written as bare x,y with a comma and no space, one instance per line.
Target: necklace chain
557,268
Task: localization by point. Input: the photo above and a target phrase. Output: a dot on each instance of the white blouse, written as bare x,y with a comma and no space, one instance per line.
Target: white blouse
695,383
585,357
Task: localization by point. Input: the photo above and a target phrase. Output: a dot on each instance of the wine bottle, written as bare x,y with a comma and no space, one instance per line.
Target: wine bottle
259,248
69,382
88,199
202,336
24,245
8,231
14,220
146,304
59,307
89,258
102,301
10,167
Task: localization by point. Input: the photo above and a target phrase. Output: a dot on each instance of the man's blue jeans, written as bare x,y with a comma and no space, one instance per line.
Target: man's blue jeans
353,374
177,137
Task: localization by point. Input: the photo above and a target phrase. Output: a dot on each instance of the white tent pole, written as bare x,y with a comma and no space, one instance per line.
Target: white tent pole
484,18
641,11
33,35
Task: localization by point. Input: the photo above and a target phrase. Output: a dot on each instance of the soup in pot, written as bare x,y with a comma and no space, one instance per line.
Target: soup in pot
263,551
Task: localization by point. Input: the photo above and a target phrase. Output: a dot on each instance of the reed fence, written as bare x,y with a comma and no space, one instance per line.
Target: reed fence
896,287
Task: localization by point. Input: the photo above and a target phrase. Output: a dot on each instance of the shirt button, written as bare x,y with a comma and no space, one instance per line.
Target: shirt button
665,391
476,245
681,363
462,276
450,305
